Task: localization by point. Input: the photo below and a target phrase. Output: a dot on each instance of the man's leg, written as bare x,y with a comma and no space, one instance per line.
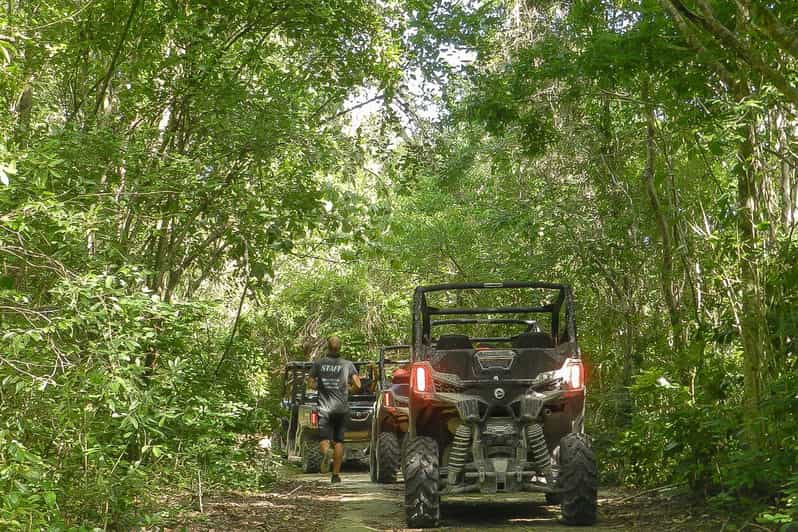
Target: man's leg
338,426
326,452
338,457
326,434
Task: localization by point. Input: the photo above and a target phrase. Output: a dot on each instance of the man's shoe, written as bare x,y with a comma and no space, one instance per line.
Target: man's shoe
335,479
325,461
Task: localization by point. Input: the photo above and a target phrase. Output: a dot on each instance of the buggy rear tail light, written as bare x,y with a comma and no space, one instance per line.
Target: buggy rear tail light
421,378
573,373
387,399
314,419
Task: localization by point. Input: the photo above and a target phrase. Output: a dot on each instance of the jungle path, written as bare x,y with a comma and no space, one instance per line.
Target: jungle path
359,505
309,503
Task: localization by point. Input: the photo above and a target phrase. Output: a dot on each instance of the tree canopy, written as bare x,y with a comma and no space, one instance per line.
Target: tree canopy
194,193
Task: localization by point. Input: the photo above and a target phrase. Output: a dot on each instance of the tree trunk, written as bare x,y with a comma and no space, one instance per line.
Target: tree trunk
665,231
787,172
753,315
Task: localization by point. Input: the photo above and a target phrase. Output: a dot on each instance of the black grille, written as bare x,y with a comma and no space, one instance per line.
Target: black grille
500,427
501,360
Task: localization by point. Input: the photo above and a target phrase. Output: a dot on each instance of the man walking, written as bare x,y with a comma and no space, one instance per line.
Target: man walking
331,376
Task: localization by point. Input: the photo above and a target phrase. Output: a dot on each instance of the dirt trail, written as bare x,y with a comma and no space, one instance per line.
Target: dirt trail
366,506
308,503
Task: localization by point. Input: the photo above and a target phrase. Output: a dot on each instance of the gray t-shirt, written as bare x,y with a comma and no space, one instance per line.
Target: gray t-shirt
333,376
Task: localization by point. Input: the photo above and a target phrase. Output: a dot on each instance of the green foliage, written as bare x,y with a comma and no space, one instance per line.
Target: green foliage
325,300
156,161
540,168
182,211
29,497
97,417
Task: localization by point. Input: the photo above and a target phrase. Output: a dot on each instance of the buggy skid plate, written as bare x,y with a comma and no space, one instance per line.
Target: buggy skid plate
500,475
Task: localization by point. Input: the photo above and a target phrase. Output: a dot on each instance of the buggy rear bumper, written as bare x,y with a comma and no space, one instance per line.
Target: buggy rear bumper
492,481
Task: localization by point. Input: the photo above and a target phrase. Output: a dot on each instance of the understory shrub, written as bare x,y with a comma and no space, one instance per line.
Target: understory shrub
114,391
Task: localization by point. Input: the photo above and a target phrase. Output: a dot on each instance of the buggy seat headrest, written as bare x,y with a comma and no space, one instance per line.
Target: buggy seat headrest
533,339
454,341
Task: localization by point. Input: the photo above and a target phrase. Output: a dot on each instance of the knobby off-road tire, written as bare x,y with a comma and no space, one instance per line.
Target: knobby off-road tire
373,459
389,456
311,457
422,500
578,480
403,450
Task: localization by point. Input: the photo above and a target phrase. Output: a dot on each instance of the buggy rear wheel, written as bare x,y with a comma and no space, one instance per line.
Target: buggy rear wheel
578,480
311,457
422,499
403,451
388,457
372,460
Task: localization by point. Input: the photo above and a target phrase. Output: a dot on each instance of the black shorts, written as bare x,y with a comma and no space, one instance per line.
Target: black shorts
332,427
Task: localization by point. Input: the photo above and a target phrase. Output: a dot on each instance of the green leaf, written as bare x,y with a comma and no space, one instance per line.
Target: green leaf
50,499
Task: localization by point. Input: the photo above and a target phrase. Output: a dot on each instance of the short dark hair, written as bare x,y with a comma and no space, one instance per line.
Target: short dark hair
333,346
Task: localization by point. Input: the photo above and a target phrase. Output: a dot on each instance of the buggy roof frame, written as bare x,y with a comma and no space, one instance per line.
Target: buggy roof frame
467,321
422,324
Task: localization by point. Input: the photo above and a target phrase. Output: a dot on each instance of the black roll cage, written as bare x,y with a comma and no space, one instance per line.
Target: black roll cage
422,323
531,324
383,361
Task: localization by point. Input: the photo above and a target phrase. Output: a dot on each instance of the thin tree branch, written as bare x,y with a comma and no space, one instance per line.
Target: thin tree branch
238,312
350,109
59,21
105,80
715,29
680,17
769,24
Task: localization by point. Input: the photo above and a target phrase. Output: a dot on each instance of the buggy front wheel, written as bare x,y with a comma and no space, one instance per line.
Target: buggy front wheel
578,480
422,499
311,457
